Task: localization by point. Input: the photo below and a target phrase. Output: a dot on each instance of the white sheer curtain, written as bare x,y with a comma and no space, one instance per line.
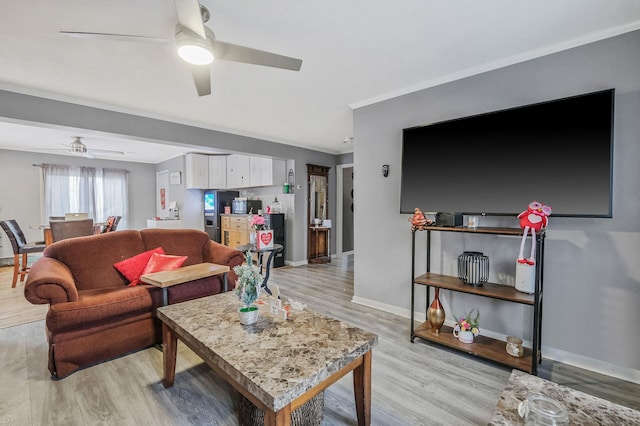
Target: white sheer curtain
99,192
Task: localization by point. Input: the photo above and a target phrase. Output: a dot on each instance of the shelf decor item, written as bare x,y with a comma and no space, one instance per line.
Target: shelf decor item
264,239
248,289
535,218
473,268
514,346
467,328
435,313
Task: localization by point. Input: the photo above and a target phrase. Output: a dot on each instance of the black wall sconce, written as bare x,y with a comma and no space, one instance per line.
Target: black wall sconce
385,170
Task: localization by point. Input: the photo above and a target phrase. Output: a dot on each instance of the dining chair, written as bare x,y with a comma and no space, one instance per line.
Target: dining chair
51,218
21,249
115,223
111,224
71,229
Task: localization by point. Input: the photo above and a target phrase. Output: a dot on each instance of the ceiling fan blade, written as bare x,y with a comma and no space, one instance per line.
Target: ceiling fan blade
236,53
107,151
189,16
116,37
202,78
88,155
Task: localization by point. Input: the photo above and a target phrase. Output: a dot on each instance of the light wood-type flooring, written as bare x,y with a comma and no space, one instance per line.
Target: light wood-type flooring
412,383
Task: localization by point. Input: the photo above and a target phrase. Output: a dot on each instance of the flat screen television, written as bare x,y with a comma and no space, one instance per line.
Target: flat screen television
559,153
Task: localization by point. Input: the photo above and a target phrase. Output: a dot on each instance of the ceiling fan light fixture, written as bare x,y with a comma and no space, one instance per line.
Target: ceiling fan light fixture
77,146
195,51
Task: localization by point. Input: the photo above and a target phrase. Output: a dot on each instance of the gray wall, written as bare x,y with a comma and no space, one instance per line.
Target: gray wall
26,108
592,273
20,189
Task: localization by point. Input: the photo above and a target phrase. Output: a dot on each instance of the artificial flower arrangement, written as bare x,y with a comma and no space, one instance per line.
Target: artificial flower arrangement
249,281
469,322
257,222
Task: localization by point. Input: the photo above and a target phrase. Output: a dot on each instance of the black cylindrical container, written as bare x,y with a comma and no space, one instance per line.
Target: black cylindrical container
473,268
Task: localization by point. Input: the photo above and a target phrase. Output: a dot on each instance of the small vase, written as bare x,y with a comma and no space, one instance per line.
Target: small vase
248,315
435,313
252,238
464,336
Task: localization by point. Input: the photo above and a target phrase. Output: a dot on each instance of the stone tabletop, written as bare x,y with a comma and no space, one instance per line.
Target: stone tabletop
583,409
276,360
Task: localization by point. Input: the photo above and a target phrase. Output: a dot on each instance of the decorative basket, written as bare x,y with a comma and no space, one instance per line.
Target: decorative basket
308,414
473,268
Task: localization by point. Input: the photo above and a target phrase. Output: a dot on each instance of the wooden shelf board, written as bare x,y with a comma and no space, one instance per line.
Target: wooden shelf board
495,291
478,230
482,346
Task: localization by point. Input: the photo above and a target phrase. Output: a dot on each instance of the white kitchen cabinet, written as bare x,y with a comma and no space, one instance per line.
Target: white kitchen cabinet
255,170
276,174
267,171
238,170
217,172
197,171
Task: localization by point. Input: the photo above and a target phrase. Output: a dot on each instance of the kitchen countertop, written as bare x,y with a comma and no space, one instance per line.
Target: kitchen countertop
582,408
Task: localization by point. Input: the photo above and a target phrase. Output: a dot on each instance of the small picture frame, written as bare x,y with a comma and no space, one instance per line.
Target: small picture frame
275,305
175,178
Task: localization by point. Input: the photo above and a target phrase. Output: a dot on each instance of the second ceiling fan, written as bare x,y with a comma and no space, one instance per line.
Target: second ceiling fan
198,47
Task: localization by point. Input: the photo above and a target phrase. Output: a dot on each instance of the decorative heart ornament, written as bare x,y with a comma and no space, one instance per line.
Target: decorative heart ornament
266,238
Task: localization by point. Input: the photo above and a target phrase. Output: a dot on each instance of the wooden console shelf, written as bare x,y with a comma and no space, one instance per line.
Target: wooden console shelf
482,346
494,291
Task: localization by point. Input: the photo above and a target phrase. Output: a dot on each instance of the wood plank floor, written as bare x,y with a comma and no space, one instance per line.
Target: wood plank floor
14,308
412,384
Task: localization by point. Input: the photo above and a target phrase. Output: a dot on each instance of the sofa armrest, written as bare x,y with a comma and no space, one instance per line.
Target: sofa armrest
223,255
50,281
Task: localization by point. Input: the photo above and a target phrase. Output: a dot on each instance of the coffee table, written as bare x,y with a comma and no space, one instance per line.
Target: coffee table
582,408
276,364
185,274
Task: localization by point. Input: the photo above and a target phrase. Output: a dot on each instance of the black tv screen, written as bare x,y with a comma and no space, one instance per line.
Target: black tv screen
558,153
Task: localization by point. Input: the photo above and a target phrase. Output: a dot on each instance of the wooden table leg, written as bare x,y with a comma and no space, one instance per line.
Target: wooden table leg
169,352
280,418
362,390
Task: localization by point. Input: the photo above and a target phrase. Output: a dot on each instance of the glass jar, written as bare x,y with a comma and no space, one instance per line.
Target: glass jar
276,207
538,409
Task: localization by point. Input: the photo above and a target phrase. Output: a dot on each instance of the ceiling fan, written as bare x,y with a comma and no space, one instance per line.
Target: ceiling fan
197,45
78,147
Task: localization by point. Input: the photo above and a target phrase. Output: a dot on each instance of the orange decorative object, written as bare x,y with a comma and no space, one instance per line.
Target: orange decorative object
418,220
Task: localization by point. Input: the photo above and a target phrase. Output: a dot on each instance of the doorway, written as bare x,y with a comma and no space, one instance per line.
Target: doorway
344,209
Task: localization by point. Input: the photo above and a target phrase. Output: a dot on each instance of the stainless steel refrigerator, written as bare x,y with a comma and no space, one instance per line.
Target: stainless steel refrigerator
214,204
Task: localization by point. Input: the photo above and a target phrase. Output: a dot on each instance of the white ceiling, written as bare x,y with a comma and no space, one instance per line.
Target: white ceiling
354,53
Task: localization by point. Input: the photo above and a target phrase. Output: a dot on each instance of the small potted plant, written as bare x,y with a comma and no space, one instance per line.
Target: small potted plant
467,327
248,289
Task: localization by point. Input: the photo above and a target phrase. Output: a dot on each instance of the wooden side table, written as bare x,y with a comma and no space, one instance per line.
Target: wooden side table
166,279
319,249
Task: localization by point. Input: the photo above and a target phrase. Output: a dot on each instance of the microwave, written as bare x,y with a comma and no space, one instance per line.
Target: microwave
246,206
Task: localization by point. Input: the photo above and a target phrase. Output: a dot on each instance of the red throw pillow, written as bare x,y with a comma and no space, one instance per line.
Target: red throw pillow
132,268
163,262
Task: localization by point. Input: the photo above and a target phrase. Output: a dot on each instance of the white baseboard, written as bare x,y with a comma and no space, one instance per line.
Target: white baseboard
298,263
576,360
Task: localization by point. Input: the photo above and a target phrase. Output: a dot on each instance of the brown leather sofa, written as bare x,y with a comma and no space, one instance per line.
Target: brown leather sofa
93,314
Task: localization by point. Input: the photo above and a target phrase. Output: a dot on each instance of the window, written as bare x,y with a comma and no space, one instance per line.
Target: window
98,192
